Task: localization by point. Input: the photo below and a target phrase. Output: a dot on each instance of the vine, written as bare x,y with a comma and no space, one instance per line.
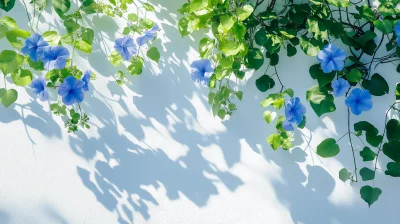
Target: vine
43,62
343,35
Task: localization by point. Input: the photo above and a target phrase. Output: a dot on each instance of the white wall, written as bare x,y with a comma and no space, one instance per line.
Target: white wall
156,155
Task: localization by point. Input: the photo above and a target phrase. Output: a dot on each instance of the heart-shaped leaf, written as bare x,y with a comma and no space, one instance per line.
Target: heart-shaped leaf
265,83
370,194
328,148
393,130
8,97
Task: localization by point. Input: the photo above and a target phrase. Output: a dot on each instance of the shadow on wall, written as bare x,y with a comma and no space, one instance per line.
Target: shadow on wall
172,157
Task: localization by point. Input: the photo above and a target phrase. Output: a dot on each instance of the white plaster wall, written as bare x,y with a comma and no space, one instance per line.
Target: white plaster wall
155,154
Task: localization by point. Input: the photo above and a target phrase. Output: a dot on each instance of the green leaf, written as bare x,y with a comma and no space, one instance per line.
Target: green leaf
367,154
273,43
205,47
136,67
323,78
148,7
310,47
115,59
132,17
244,12
225,62
371,132
71,25
344,175
392,150
61,6
387,8
8,97
183,26
377,86
328,148
273,59
320,100
9,22
83,46
36,65
393,169
88,35
196,5
261,37
153,54
51,37
221,114
10,61
397,93
291,50
22,77
385,26
354,75
239,95
370,194
269,116
254,59
393,130
275,140
226,24
7,5
229,47
58,110
12,36
367,174
265,83
340,3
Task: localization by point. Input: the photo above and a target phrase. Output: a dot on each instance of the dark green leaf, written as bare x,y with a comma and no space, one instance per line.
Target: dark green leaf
265,83
367,154
367,174
370,194
328,148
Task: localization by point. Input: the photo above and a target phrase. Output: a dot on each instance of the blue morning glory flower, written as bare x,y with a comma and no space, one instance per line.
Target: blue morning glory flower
54,57
331,58
86,79
359,100
126,47
148,35
287,126
397,32
32,46
39,88
340,87
201,71
294,112
397,28
71,90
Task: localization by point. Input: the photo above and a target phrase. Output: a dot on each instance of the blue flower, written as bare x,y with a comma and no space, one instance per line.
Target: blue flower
331,58
397,32
294,113
201,71
287,126
148,35
126,47
71,90
54,57
39,88
86,79
359,100
397,28
32,46
340,87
